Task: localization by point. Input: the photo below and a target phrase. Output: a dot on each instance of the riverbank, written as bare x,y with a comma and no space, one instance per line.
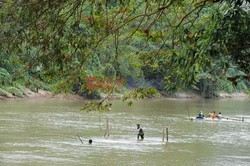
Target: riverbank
116,96
221,95
42,94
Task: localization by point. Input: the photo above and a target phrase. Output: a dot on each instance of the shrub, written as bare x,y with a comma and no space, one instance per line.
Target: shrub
15,91
4,93
5,77
241,86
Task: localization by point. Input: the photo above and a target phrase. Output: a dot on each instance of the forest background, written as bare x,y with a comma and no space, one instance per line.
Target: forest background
200,46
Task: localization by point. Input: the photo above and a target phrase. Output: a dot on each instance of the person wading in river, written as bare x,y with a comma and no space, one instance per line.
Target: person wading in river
140,132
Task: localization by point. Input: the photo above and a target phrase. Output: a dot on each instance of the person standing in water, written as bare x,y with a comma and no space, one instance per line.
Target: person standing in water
140,132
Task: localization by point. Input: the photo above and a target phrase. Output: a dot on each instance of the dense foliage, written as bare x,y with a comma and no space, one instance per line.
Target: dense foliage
200,45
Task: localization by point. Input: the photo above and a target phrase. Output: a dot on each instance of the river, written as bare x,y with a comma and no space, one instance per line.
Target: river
44,132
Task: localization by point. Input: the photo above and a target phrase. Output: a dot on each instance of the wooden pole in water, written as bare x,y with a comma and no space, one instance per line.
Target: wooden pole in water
100,121
108,125
188,112
107,128
167,134
163,135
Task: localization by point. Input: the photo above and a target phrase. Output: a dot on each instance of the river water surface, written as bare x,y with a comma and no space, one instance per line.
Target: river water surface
44,132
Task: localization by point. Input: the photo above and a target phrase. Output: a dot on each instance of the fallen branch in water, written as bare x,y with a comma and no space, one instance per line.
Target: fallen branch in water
241,120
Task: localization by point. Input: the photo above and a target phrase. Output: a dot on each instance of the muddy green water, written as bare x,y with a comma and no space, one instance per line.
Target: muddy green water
44,132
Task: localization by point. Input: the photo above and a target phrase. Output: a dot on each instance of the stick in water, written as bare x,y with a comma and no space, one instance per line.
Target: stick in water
163,135
188,112
80,138
107,128
167,134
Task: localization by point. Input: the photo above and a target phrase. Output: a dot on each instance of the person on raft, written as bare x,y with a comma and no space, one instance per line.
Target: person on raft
200,116
213,115
219,116
140,132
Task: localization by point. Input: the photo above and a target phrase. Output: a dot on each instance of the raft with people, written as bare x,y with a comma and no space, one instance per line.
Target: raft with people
213,116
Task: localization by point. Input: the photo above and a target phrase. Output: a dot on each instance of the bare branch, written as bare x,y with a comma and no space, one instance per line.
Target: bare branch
199,6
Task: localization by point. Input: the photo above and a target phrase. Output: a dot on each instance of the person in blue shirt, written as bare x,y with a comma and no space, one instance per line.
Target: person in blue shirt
200,116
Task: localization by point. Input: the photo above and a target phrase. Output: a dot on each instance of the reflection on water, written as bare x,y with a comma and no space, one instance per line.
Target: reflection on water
45,133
